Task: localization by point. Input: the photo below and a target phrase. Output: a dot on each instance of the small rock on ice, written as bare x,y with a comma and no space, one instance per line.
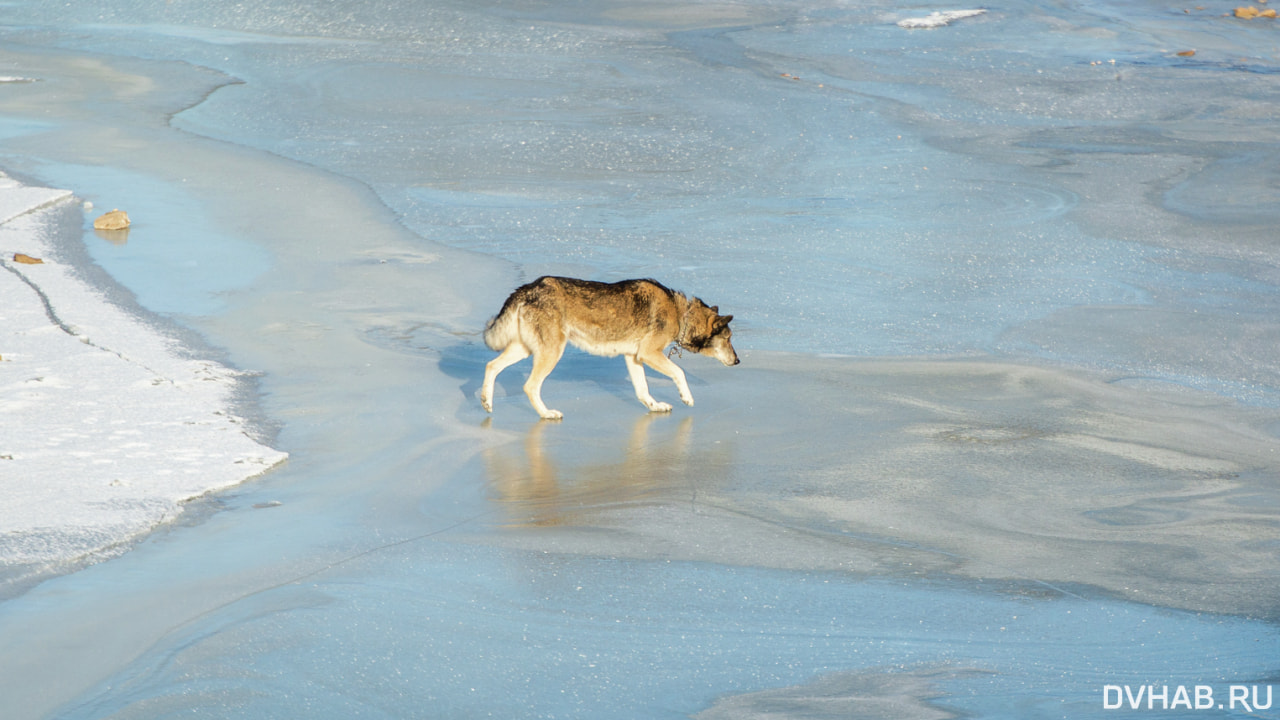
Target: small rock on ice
114,220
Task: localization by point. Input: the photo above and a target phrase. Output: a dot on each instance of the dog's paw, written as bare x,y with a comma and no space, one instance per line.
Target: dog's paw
660,407
552,415
687,400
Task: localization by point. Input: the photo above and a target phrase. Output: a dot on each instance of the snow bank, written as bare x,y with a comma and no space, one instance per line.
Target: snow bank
106,425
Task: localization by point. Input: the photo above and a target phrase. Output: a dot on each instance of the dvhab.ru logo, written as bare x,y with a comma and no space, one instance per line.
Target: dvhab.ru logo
1248,698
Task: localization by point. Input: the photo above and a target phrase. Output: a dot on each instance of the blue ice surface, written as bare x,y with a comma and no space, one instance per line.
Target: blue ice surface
434,629
862,217
830,219
831,178
13,127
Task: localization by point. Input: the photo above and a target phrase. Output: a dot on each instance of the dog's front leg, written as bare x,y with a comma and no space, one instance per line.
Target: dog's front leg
663,364
636,371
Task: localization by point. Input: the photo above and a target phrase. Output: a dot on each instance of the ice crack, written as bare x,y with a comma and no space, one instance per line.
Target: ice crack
69,329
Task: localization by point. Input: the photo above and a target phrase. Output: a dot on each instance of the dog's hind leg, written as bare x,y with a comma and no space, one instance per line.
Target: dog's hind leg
512,354
636,371
544,360
663,364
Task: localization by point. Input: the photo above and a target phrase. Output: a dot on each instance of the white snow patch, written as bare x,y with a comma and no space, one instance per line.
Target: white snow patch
106,426
938,19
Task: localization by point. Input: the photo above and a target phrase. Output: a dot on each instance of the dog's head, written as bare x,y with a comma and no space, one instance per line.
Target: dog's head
709,333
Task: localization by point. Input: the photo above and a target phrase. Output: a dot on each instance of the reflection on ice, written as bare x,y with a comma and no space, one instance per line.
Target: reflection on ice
532,490
980,470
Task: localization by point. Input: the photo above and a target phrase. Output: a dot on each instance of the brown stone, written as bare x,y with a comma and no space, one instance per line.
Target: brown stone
114,220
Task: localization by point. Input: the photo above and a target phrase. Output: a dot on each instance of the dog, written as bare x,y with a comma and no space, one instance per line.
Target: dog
636,319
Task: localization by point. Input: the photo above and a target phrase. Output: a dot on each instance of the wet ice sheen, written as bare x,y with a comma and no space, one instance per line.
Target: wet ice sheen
988,537
462,631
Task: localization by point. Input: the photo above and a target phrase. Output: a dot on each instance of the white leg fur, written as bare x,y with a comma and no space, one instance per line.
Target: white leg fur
636,371
663,364
543,364
514,353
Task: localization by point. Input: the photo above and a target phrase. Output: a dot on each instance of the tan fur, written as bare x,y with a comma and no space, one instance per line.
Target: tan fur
636,319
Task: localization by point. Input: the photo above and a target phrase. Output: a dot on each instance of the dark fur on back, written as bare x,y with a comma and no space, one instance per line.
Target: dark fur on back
595,291
611,310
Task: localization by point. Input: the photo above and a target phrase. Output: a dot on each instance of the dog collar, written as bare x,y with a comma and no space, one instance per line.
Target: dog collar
682,336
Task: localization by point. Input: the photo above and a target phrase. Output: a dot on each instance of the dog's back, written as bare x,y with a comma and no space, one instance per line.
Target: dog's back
601,318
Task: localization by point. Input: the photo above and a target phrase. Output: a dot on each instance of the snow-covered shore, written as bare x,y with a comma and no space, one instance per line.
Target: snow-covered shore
107,425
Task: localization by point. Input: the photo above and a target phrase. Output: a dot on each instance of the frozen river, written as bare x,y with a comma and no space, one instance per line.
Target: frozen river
1003,442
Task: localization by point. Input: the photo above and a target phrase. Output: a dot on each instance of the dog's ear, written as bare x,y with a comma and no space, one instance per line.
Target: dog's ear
715,309
711,325
723,321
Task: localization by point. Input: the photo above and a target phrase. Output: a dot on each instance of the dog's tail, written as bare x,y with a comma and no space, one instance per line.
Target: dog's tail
503,328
